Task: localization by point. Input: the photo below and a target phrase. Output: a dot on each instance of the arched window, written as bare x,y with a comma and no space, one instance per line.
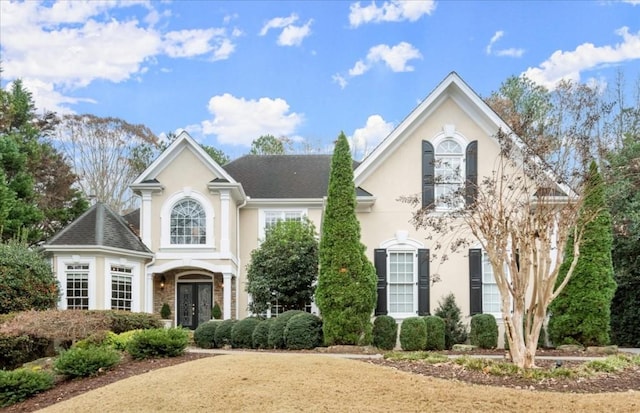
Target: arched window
449,173
188,223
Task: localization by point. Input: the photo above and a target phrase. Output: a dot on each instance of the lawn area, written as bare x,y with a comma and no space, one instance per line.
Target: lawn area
314,383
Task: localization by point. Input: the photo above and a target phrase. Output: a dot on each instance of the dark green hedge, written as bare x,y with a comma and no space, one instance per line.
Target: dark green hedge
18,385
85,362
303,331
204,334
222,335
242,333
159,342
276,330
385,332
261,334
484,331
435,333
413,334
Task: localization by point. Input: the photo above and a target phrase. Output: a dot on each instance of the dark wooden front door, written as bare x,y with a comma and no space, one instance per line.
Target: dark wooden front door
194,304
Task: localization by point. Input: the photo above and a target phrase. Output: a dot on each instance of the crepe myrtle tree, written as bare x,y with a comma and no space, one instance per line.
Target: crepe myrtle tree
521,214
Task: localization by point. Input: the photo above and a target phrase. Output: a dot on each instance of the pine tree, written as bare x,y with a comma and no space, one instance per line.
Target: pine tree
581,313
346,291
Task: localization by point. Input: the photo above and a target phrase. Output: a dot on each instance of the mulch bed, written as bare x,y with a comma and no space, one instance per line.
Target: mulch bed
628,380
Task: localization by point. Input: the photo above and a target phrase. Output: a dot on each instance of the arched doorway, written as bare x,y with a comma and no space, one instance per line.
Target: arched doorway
194,294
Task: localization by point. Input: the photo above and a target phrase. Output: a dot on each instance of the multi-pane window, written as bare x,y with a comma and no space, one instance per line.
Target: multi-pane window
272,217
402,282
188,223
121,288
448,173
77,286
490,292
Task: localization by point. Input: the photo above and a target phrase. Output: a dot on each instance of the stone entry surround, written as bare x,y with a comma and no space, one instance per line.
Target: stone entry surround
168,294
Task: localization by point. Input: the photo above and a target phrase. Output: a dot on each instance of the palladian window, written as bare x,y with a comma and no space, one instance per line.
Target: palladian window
188,223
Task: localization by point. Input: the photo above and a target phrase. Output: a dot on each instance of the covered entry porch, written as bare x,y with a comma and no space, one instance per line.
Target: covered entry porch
191,293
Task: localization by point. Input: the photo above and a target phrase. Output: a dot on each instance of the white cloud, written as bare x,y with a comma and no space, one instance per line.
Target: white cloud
511,52
187,43
339,79
494,39
632,2
568,65
68,45
238,121
365,139
395,57
294,35
390,11
278,23
359,68
291,35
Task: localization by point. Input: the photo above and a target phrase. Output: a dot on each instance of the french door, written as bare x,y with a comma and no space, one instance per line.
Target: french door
194,303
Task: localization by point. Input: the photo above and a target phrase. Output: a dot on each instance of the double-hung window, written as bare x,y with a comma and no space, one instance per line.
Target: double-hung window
77,289
121,288
449,174
402,282
490,292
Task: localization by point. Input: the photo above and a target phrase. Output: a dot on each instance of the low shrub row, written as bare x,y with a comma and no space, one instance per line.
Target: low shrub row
30,335
20,384
292,330
91,356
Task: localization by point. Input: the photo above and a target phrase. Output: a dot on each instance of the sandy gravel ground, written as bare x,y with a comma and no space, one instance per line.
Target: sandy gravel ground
315,383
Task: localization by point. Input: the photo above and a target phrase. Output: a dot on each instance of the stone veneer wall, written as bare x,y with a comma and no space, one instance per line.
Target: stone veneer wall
168,295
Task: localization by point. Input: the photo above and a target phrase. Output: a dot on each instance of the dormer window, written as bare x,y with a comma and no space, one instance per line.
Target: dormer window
188,223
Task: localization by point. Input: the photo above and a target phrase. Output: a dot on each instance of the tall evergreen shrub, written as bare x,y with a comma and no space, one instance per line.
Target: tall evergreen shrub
581,313
455,332
346,291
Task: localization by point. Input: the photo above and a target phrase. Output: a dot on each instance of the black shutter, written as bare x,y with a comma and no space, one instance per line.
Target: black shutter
475,281
380,262
428,174
471,182
423,282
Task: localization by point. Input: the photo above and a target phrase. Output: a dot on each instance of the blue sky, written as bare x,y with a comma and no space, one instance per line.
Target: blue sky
230,71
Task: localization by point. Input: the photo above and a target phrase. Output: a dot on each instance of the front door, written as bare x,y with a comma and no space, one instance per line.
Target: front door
194,304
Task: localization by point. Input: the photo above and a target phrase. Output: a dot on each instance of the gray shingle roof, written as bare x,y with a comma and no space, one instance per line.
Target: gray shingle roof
101,227
283,176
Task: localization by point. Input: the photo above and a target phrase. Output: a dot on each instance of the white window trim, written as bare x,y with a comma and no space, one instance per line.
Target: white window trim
165,220
135,282
497,315
402,243
61,272
262,220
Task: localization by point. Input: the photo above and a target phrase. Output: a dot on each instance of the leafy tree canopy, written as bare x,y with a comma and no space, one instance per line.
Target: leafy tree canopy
284,268
37,193
267,145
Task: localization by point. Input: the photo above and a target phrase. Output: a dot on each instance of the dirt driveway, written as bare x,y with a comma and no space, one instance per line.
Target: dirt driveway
315,383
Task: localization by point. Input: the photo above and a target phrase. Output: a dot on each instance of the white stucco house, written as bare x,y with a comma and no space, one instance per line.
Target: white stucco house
190,242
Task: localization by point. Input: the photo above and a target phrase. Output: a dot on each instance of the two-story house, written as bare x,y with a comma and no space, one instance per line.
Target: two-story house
190,242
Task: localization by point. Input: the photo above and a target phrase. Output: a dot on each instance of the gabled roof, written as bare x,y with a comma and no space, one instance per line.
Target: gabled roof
284,176
451,87
182,142
98,227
